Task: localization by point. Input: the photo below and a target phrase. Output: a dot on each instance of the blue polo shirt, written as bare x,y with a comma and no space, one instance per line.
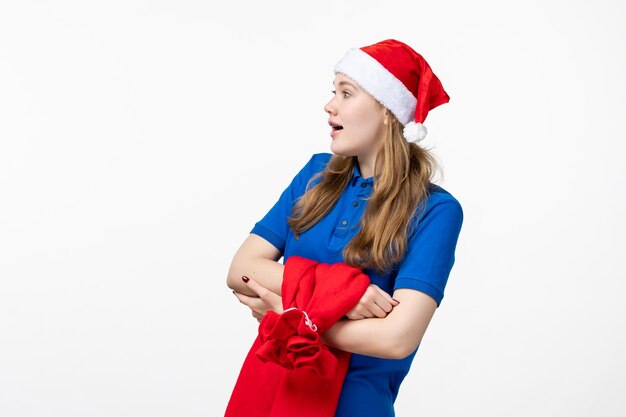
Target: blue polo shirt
371,385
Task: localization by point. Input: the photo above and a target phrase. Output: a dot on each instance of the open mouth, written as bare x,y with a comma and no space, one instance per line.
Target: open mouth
335,126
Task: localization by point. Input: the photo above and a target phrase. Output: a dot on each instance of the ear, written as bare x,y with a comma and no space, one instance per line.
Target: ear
386,119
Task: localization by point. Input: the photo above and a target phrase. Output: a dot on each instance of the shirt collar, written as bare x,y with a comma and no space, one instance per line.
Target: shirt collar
356,175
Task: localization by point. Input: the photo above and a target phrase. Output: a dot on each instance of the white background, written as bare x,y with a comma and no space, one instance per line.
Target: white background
141,140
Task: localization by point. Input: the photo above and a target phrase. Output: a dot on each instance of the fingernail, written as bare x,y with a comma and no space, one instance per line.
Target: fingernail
396,300
245,279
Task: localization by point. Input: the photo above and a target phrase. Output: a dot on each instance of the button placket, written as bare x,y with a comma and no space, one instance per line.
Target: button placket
348,218
363,193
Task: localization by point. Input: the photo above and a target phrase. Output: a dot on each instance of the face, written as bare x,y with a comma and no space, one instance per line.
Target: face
357,120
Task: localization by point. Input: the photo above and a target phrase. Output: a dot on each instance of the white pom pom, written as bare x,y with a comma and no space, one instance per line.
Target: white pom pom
414,132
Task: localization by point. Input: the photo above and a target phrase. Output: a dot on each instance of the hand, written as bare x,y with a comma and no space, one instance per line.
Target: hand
266,300
374,303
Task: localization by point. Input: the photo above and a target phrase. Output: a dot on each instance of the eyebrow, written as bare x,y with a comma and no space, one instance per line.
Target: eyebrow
346,82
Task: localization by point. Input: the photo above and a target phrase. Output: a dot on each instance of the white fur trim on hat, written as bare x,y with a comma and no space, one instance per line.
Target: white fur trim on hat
414,132
374,78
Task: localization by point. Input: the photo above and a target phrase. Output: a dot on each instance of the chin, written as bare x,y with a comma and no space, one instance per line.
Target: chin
340,150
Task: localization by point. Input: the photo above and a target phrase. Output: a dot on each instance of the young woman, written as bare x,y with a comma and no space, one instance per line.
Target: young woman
372,205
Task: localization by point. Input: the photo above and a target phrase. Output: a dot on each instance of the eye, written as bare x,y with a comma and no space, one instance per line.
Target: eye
345,93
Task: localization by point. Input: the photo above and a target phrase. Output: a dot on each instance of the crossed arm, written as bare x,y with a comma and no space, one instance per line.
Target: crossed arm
388,329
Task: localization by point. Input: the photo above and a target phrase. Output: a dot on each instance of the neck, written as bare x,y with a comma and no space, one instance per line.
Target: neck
366,166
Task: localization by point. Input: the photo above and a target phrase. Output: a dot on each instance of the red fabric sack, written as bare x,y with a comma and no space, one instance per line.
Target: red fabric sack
289,371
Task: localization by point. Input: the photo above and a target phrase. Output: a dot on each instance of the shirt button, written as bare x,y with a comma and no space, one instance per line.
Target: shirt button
355,203
344,222
364,184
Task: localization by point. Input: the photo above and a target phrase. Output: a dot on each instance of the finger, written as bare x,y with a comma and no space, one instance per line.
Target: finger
260,290
253,303
383,303
245,299
274,301
388,297
354,316
368,305
376,310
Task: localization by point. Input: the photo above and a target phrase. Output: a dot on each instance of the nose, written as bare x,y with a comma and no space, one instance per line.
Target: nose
330,108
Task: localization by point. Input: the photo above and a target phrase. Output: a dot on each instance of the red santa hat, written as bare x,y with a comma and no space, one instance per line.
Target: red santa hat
399,78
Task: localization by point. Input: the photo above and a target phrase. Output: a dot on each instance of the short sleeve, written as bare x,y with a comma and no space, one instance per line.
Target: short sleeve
430,253
273,227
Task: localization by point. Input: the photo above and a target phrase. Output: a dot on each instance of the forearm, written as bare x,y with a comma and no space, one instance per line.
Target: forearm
267,272
257,259
371,336
393,337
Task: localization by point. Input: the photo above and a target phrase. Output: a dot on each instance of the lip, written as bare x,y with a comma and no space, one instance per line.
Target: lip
334,132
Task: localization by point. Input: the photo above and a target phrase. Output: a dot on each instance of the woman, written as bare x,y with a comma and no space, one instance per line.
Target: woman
372,205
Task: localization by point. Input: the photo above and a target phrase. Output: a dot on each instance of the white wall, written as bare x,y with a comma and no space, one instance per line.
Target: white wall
141,140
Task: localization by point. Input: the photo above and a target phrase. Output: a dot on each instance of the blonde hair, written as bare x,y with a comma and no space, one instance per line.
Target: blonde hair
404,171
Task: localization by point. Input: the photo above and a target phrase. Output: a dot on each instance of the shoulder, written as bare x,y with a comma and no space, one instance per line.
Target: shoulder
317,163
440,207
440,196
319,160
